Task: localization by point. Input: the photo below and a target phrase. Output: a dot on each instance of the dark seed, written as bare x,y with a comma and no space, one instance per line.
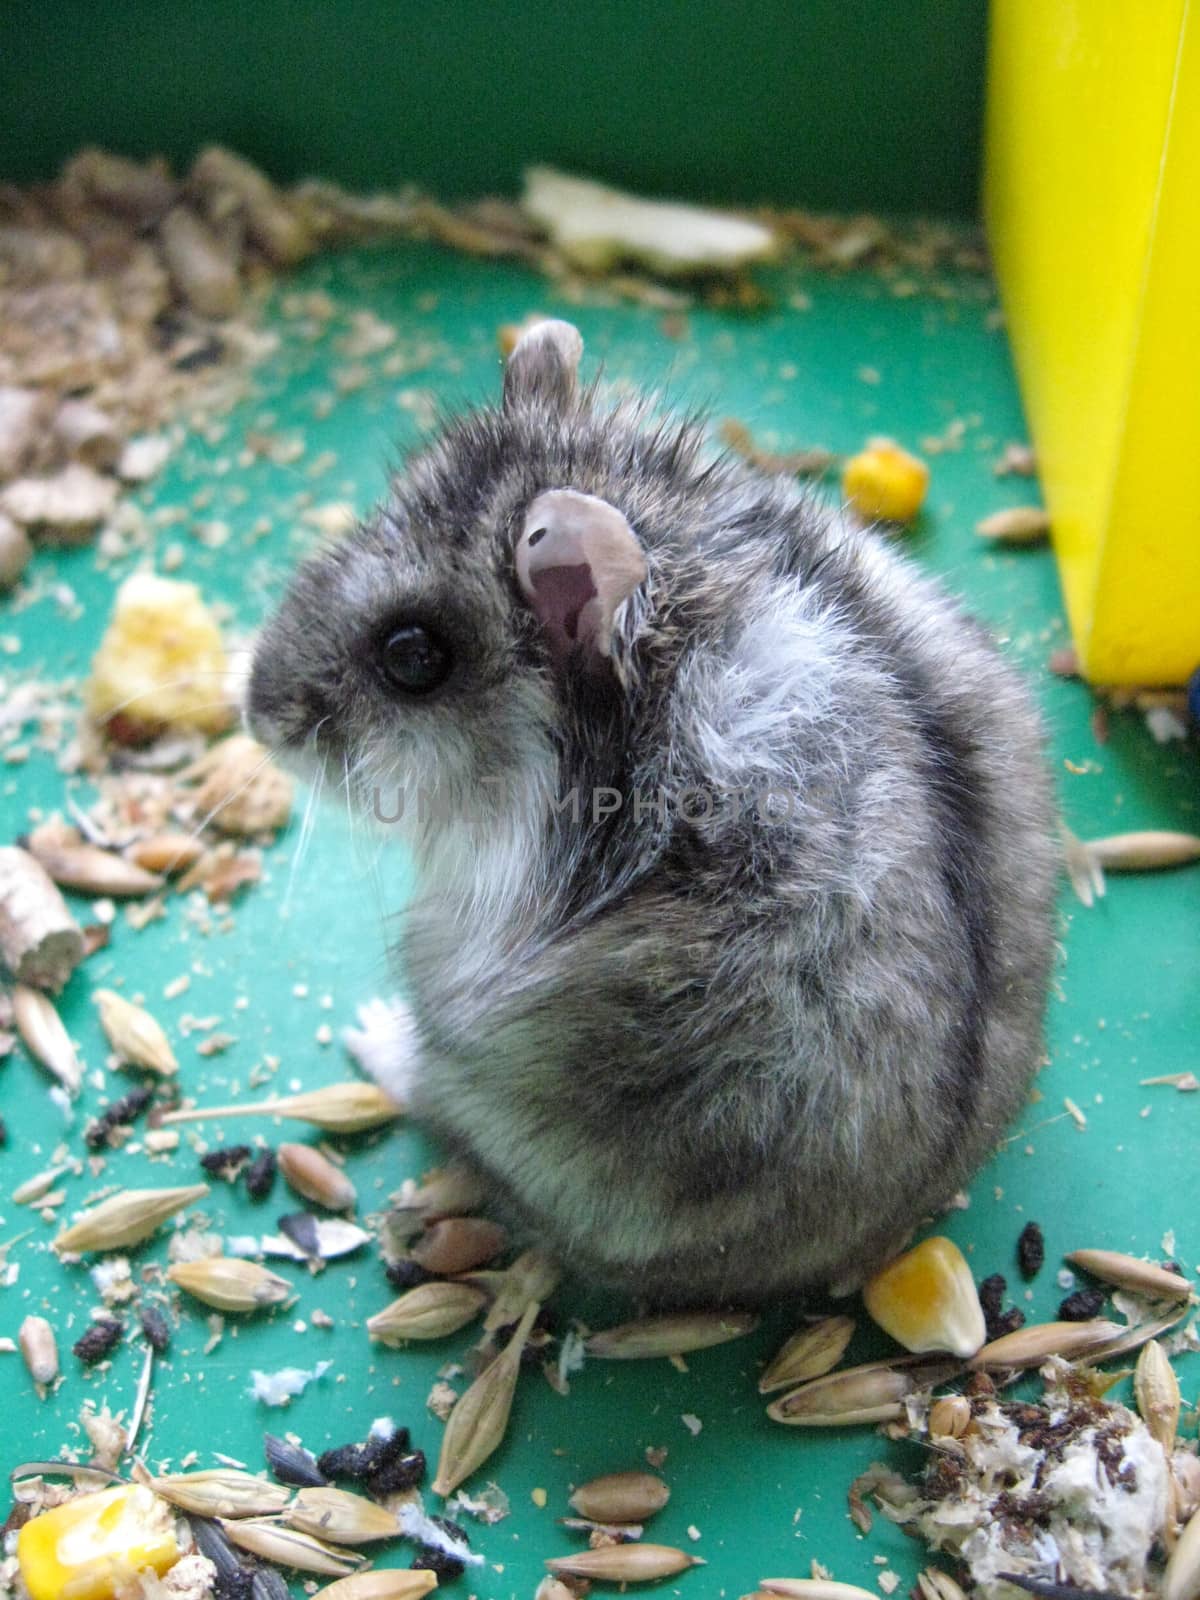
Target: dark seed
100,1338
227,1163
260,1175
405,1472
155,1328
1007,1322
1082,1306
406,1274
1031,1250
121,1111
439,1561
292,1464
991,1294
359,1462
3,1133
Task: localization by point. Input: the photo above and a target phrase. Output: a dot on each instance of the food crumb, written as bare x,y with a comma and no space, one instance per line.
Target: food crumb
691,1422
539,1497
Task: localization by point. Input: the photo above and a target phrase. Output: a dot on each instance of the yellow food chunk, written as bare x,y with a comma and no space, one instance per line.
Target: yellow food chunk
885,481
161,663
89,1547
926,1299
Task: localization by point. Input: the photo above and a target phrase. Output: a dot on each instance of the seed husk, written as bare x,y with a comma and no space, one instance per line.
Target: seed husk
1156,1390
626,1563
341,1517
44,1036
872,1393
241,790
810,1353
814,1589
127,1218
430,1311
315,1177
1127,1272
39,1348
478,1421
134,1034
669,1336
87,869
289,1547
452,1191
533,1275
40,941
393,1585
1181,1580
937,1585
621,1497
1133,1338
339,1108
40,1184
222,1492
166,853
230,1284
1144,851
552,1588
458,1244
1030,1346
1016,525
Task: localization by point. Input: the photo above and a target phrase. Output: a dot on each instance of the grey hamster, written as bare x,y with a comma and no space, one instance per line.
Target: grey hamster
734,834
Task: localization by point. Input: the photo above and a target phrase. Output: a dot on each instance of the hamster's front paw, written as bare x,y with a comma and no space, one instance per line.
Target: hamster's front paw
386,1046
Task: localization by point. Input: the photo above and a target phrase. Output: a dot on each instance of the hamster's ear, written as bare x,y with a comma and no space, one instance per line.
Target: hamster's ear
577,561
544,365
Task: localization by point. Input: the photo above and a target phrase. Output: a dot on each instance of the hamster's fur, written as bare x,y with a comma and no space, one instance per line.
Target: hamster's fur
706,1058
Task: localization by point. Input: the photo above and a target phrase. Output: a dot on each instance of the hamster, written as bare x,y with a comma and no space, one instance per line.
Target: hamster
734,834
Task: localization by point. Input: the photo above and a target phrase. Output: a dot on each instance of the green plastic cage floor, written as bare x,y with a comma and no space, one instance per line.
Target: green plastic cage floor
833,360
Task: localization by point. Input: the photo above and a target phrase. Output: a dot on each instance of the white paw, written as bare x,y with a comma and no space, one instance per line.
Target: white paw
386,1046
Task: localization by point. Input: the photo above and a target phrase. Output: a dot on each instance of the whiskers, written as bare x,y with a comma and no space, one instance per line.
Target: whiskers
306,822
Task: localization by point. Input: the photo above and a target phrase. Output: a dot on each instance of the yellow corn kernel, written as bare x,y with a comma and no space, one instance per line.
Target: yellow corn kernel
926,1299
90,1546
884,481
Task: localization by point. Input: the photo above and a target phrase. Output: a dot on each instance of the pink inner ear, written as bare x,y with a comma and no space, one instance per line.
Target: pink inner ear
559,596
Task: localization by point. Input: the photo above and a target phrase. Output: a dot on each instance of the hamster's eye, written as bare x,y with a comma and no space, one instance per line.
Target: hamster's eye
414,659
536,537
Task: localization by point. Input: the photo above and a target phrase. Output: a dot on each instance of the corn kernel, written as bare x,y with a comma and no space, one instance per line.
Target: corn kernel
90,1546
926,1299
886,482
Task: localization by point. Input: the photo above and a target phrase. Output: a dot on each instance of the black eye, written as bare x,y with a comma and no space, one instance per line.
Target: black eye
536,536
414,659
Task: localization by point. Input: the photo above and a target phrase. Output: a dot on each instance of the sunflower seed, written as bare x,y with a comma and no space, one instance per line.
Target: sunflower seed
669,1336
39,1349
478,1422
340,1517
309,1238
1145,851
872,1393
1029,1346
621,1497
627,1563
810,1353
1127,1272
339,1108
430,1311
458,1244
126,1219
134,1034
222,1492
393,1585
314,1177
43,1035
292,1463
229,1284
288,1547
